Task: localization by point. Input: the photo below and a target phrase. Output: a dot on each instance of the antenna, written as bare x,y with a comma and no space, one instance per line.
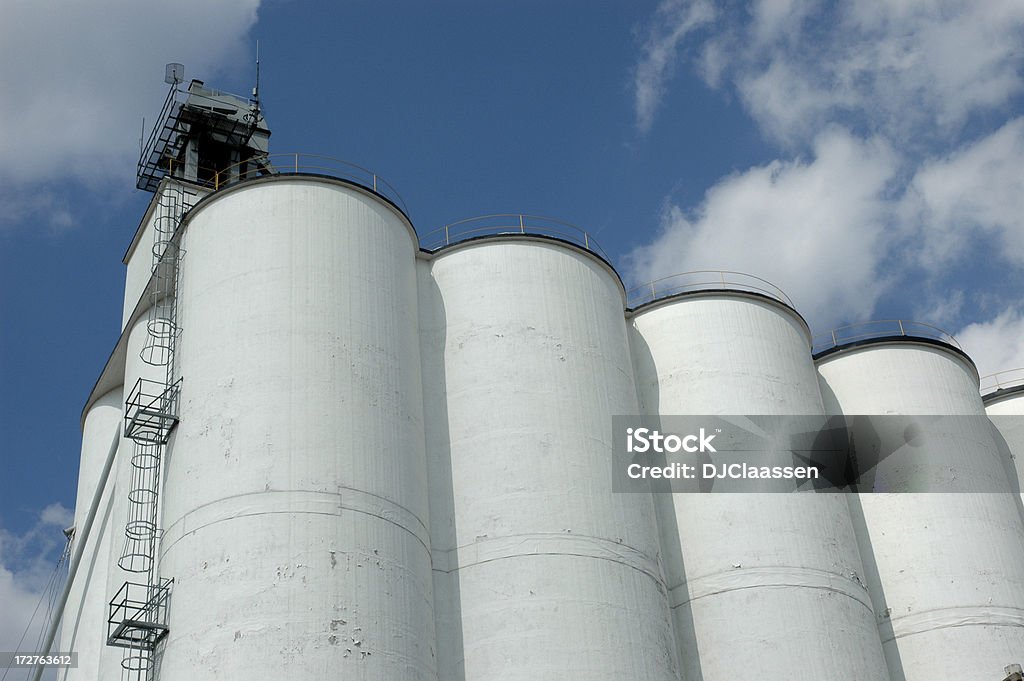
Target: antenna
254,115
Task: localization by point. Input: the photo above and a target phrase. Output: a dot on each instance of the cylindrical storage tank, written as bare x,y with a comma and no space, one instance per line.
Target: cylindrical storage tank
84,627
946,570
295,503
765,585
554,573
1005,408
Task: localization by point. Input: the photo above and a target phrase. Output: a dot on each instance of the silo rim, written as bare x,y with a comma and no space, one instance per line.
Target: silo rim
861,344
519,237
1002,380
718,293
304,177
1001,394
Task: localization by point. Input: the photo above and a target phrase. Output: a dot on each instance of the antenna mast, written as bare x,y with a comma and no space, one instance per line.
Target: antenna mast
256,90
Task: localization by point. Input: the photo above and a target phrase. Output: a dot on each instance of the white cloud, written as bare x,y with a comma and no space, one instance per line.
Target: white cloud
980,187
946,58
817,228
78,76
47,208
58,515
673,21
775,20
27,563
786,102
19,601
853,227
941,309
911,71
896,206
996,344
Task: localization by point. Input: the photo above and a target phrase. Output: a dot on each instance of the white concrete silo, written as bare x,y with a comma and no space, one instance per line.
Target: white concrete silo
84,627
546,573
946,571
766,585
1004,404
295,507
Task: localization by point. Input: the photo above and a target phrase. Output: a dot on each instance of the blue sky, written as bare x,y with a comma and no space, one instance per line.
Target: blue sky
865,157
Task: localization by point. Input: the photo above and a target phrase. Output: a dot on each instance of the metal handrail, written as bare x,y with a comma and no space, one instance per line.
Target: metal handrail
703,280
882,328
509,223
299,163
1000,380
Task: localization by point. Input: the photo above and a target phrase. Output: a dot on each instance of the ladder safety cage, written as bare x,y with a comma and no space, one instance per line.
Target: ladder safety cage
151,411
138,615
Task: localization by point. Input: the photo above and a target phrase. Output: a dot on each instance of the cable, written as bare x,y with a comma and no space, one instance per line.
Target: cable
48,593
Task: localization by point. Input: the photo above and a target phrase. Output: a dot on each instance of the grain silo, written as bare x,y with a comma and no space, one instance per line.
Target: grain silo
1003,396
769,583
945,570
536,361
298,481
83,626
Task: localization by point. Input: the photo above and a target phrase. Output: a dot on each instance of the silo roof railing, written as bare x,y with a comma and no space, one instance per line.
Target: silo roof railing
305,164
1001,380
509,223
883,328
703,280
